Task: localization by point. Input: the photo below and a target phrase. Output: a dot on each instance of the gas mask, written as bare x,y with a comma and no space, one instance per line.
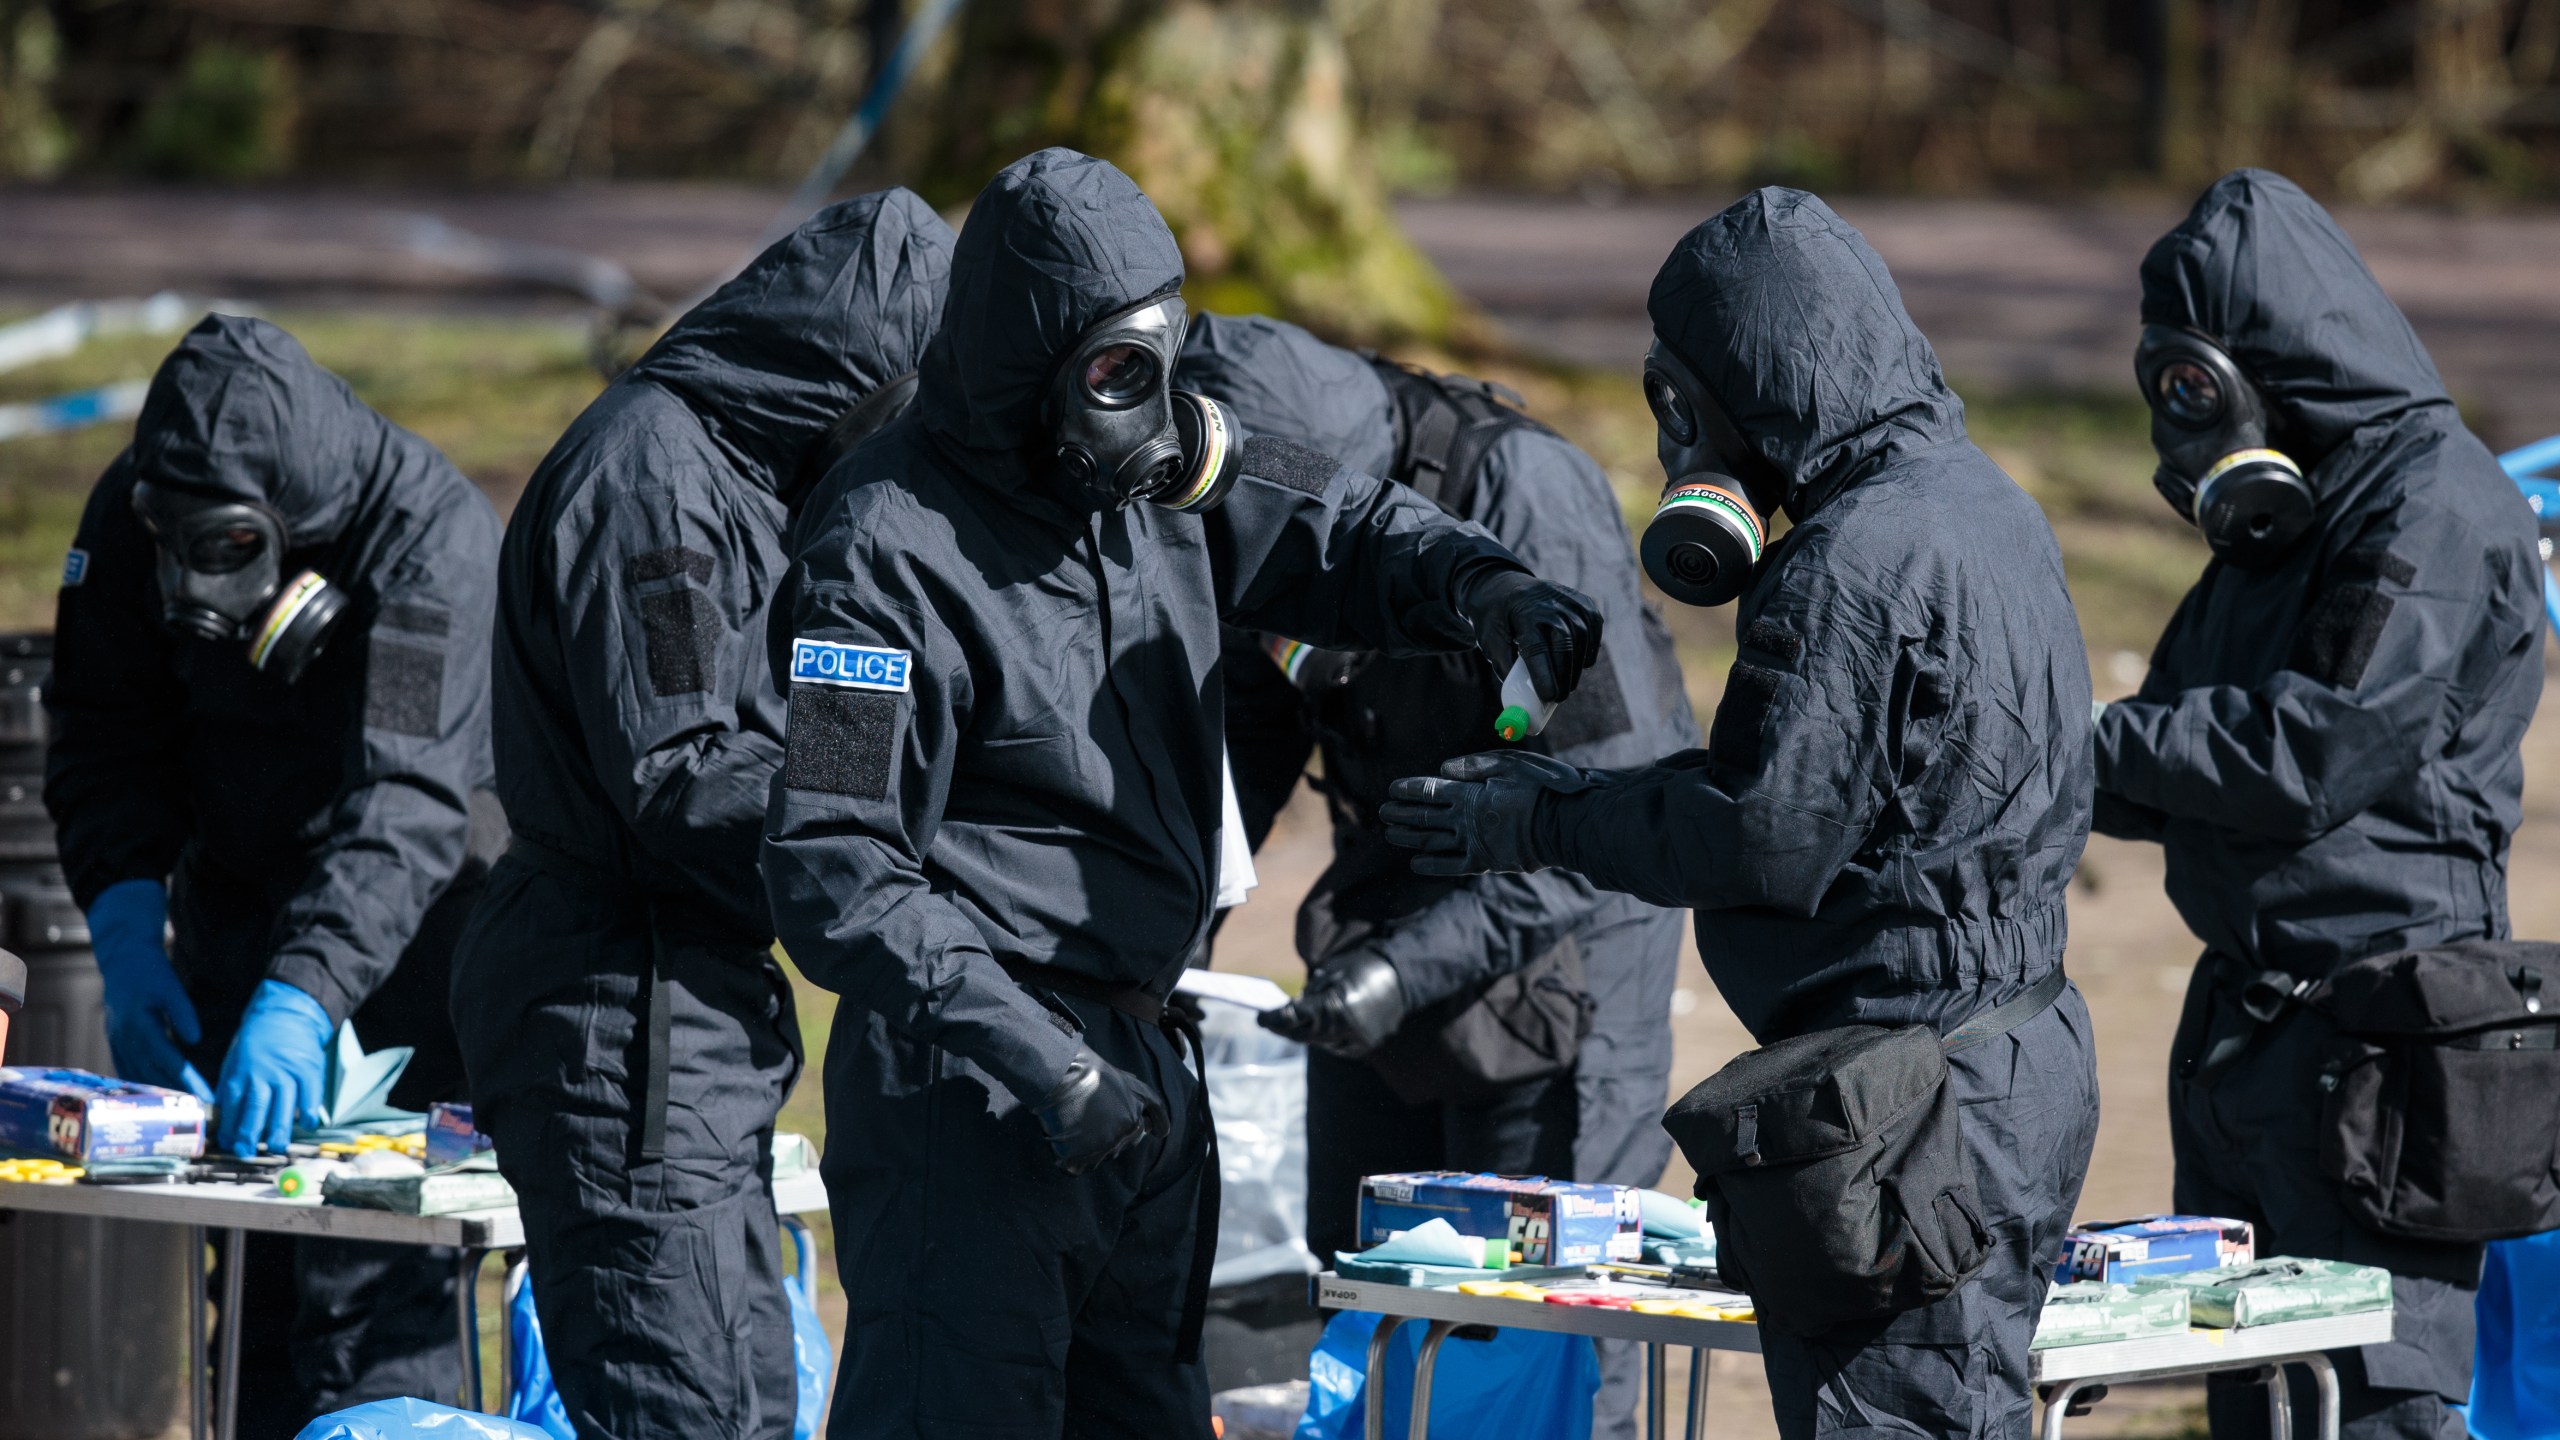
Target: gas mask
1707,534
1122,433
2210,425
221,578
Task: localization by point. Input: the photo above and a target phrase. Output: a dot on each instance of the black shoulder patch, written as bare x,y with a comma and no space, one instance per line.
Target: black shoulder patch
666,564
1283,463
403,688
683,632
1743,716
2337,638
1595,711
839,741
2374,563
1769,637
417,619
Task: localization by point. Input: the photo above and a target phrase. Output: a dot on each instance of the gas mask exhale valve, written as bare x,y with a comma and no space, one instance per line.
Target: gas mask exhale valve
2210,426
1119,430
1706,537
221,578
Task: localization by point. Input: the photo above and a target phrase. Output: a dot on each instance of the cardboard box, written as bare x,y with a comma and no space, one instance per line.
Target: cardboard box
2120,1252
84,1117
1550,1222
450,1136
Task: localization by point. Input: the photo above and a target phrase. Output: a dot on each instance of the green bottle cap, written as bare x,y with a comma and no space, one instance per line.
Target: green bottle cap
1512,723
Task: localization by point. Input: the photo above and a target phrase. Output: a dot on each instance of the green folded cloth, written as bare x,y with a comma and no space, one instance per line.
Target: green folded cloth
439,1192
2278,1289
2092,1313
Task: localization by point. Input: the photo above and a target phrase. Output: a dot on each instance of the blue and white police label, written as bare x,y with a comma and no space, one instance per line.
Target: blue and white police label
824,662
75,567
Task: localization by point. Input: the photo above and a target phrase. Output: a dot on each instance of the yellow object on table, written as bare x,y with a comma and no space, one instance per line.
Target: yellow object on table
1503,1289
40,1172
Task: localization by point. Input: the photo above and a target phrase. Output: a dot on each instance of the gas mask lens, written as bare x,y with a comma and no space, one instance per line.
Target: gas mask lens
224,550
1120,374
2187,393
1670,412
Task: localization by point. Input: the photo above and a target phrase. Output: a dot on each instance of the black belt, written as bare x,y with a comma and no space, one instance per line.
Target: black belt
1148,1008
571,870
2008,1015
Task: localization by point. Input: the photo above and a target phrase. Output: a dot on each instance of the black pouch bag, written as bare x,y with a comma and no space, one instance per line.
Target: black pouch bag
2440,1093
1519,1027
1835,1170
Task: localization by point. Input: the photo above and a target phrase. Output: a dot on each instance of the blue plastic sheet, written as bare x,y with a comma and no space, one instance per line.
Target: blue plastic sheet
2515,1381
1521,1385
407,1419
534,1402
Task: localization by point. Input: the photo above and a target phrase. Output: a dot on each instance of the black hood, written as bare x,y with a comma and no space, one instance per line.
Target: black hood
2258,266
812,326
1285,383
241,409
1054,243
1782,310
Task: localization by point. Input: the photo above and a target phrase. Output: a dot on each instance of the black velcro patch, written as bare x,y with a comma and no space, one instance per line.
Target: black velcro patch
1743,716
666,565
1769,637
403,688
1595,711
2374,563
683,632
1283,463
418,619
2337,638
839,740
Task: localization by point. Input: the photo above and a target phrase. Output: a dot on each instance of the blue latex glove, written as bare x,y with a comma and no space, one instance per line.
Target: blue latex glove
275,1071
148,1013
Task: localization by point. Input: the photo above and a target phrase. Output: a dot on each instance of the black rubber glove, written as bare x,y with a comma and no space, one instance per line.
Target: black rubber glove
1095,1111
1352,1005
1554,630
1474,817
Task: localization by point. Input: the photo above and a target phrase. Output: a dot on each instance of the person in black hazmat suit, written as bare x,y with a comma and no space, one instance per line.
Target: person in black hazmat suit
1403,969
630,1035
2326,743
995,829
1895,790
270,694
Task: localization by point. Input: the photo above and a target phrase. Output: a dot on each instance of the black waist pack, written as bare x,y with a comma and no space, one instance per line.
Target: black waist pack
1523,1026
2440,1093
1835,1171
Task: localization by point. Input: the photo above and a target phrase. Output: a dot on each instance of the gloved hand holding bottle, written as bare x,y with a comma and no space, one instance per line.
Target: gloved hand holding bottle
1554,631
275,1072
1351,1005
1096,1111
148,1013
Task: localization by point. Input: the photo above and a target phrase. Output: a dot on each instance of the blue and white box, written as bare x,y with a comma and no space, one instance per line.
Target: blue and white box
1550,1222
83,1117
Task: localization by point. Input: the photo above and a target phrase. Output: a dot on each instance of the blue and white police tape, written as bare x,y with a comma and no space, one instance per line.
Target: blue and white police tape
75,411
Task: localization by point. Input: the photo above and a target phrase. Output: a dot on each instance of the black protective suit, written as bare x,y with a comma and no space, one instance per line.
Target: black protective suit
1042,789
1895,789
2328,748
629,1032
316,833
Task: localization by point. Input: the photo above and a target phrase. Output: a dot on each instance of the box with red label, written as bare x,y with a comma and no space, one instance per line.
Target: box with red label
2119,1252
84,1117
1550,1222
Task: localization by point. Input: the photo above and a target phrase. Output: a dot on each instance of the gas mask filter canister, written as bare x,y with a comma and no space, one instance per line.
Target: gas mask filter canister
2210,426
221,579
1121,433
1706,536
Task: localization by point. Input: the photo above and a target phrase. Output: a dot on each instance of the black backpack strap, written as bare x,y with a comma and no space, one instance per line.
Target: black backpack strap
2008,1015
1445,424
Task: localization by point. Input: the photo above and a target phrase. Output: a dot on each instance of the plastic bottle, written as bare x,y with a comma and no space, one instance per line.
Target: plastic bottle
1523,713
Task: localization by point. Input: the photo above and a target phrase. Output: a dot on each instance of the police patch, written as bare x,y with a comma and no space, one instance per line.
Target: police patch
824,662
75,567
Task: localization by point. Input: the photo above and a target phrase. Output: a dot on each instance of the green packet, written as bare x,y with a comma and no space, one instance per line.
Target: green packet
440,1192
2279,1289
2093,1312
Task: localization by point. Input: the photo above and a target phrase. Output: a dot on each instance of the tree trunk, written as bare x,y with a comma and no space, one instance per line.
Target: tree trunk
1233,116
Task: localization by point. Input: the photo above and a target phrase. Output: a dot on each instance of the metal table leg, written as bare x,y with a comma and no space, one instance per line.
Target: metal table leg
1698,1360
515,1274
2058,1405
234,1264
1374,1416
199,1363
2279,1403
1419,1427
466,1315
1657,1380
2326,1374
